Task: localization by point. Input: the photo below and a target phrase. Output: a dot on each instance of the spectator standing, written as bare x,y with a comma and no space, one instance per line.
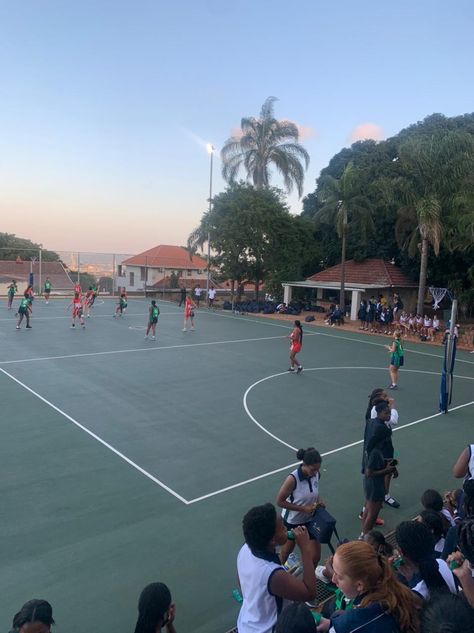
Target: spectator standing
197,294
182,296
211,295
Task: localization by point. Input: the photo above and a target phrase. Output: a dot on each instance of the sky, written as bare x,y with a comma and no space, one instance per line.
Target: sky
106,105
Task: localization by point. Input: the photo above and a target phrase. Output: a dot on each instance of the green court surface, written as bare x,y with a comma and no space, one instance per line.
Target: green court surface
127,461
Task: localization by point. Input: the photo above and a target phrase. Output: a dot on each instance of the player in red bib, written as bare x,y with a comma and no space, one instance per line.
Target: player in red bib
89,301
77,310
296,338
189,307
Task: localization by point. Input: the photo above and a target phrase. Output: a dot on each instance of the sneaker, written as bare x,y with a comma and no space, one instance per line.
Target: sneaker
153,338
83,327
393,503
146,337
18,327
319,572
291,369
192,329
185,329
299,370
29,327
393,387
378,521
73,325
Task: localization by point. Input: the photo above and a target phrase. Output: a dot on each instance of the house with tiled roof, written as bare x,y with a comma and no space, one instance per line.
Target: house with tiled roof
154,268
20,270
362,280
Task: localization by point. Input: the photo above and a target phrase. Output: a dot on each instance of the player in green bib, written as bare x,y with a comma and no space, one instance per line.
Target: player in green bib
121,305
154,313
396,359
24,310
47,289
12,288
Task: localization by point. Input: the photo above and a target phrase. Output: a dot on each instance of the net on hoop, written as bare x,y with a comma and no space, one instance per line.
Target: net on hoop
438,295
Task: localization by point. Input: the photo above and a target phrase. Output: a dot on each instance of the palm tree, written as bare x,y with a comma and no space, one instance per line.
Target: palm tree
264,141
433,177
343,204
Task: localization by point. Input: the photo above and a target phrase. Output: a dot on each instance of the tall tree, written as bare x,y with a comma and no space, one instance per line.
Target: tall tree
254,237
433,178
265,141
342,204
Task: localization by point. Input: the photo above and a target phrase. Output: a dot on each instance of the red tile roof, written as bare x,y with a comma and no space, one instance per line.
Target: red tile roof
370,272
20,272
164,256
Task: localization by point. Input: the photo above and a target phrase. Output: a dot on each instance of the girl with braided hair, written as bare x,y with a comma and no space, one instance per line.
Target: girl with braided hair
35,615
423,572
156,612
381,603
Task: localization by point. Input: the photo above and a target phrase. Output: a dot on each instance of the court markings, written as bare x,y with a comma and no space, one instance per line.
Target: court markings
172,492
287,373
97,438
264,321
142,349
94,316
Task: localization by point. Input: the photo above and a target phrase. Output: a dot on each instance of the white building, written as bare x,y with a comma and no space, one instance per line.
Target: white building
154,268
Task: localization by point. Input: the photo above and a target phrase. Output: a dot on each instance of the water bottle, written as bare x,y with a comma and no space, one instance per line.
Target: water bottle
237,595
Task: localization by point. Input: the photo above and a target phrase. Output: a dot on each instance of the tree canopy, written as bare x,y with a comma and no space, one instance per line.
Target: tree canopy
12,247
265,141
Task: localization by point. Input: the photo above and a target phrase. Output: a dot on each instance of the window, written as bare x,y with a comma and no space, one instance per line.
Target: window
132,279
142,273
190,272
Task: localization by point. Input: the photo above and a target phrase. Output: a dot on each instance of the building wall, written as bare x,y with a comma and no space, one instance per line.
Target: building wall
154,275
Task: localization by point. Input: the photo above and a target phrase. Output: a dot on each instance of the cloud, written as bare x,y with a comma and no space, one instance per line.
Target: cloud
306,132
366,131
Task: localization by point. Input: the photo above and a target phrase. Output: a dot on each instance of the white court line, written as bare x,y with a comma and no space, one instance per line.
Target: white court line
97,438
286,373
141,349
333,451
93,317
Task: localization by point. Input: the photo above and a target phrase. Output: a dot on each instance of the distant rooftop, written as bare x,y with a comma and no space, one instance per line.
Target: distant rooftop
166,256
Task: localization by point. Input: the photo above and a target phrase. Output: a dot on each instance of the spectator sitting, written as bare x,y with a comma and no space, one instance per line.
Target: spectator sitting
432,500
447,614
264,583
423,572
337,317
466,511
282,308
155,610
465,569
37,613
381,603
434,523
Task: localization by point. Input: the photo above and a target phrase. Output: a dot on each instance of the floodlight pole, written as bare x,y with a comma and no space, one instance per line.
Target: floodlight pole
210,149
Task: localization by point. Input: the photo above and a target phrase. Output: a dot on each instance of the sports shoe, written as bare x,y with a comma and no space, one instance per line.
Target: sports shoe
185,329
153,338
192,329
299,370
378,521
73,325
392,386
393,503
29,327
18,327
291,369
319,572
146,337
83,327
